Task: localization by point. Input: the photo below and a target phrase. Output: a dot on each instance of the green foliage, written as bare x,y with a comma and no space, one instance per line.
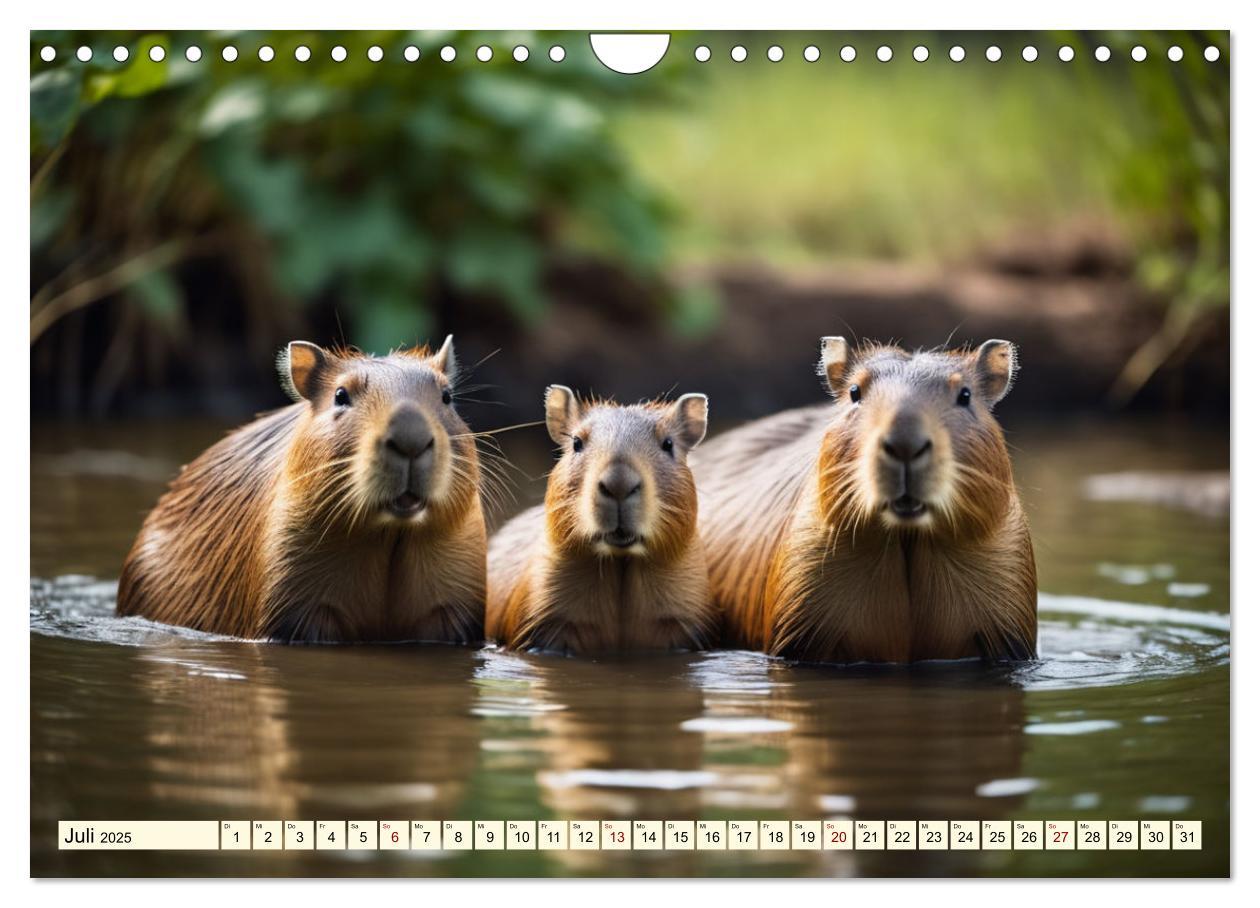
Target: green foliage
386,187
380,183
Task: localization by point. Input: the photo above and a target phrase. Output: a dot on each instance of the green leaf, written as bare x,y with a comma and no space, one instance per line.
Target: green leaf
238,103
141,75
54,106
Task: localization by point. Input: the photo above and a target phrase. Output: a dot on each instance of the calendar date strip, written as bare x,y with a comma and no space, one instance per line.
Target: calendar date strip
631,835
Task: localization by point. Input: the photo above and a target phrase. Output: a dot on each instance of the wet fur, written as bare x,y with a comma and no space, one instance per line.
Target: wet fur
548,590
258,538
800,569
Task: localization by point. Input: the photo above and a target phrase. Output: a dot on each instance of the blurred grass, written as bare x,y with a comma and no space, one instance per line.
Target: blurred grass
794,161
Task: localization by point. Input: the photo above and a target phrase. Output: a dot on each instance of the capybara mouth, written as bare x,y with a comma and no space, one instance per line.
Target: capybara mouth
906,507
621,538
408,504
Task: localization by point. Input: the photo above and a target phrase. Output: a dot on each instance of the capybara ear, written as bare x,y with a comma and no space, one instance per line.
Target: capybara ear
689,417
299,365
444,360
563,413
996,364
834,364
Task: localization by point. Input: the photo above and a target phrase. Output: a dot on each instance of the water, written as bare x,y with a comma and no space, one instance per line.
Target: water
1126,714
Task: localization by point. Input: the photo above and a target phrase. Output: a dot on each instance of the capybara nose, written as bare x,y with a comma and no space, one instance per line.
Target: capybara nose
409,435
906,447
620,482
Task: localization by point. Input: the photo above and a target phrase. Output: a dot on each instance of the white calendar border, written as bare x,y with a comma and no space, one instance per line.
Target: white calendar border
496,14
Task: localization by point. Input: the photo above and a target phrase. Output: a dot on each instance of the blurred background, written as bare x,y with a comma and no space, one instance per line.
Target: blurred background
697,226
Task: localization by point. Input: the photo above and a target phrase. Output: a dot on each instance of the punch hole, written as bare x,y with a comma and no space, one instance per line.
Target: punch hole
556,53
375,53
1066,54
993,53
1138,53
157,53
884,53
301,53
411,53
121,54
229,54
848,54
920,54
703,54
1102,54
628,54
957,54
192,53
1029,54
339,54
1175,53
812,54
485,54
266,53
47,54
83,54
520,53
739,53
447,54
774,54
1211,53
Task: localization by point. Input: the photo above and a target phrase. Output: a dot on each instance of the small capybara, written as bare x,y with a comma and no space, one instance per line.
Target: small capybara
611,562
884,527
354,514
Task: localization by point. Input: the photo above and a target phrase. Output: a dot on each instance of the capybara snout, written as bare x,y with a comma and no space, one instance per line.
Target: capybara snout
409,435
407,461
618,505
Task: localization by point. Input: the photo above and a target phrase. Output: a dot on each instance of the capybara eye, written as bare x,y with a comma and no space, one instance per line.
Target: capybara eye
964,397
855,393
577,445
668,446
341,397
446,396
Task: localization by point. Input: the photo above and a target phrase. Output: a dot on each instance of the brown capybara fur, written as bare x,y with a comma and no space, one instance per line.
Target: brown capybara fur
611,562
884,527
353,514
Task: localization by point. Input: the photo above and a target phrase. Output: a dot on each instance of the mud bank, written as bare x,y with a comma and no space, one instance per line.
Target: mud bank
1075,333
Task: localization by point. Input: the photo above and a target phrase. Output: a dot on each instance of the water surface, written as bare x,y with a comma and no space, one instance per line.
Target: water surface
1124,716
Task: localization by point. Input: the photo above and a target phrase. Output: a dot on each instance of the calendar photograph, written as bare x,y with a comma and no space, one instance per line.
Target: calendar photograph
693,454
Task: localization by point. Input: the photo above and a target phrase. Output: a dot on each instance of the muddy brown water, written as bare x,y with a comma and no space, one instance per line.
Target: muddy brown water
1124,716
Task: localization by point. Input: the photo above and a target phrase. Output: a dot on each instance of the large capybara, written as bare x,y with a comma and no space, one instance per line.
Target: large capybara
883,527
611,562
354,514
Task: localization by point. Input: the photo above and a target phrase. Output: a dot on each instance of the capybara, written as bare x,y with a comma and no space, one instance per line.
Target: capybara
353,514
611,562
883,527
